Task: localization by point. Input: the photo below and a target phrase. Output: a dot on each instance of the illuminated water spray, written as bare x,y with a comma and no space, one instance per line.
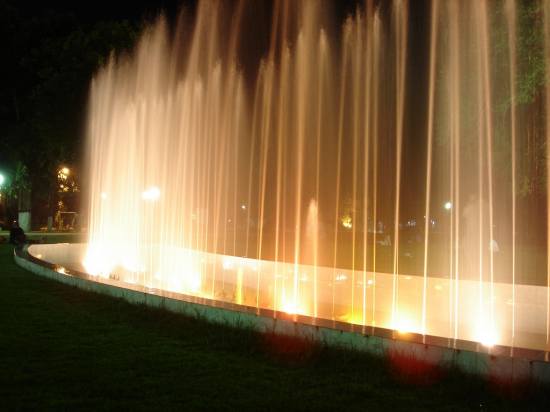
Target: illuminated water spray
361,170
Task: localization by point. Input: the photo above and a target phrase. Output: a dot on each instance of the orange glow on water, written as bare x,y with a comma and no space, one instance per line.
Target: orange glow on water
404,324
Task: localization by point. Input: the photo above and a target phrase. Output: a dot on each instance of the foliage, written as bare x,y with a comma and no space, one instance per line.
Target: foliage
530,83
18,181
49,61
531,58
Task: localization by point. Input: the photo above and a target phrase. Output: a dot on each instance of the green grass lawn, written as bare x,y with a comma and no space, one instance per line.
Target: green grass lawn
62,348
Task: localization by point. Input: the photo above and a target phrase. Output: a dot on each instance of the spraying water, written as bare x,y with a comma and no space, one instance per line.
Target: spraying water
361,169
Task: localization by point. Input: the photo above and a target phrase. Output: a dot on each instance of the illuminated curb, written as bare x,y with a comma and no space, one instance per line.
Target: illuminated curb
502,363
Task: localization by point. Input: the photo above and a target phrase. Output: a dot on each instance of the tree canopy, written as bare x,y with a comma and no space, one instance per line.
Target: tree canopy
50,57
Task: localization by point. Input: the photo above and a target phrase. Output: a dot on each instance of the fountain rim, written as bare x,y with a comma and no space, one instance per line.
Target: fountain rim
457,345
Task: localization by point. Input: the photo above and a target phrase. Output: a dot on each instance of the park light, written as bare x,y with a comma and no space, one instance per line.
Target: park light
346,222
152,194
63,173
405,324
448,205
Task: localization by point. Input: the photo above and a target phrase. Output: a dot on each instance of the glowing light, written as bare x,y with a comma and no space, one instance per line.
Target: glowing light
355,319
97,262
292,308
341,277
190,282
346,222
486,335
193,281
405,325
103,195
61,269
63,173
448,205
243,206
2,179
227,264
488,339
152,193
188,274
370,282
239,292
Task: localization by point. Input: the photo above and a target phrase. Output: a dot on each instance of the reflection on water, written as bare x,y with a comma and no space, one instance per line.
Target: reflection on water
270,285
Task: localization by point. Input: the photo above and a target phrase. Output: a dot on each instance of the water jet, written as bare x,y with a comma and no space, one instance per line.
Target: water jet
312,193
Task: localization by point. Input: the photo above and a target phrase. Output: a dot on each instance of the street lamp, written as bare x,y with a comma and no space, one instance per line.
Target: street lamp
448,205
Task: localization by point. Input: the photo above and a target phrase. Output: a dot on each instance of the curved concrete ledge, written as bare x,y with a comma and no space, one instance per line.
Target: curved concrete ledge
502,363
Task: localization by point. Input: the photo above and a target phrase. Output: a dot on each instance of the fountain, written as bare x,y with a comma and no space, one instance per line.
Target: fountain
366,175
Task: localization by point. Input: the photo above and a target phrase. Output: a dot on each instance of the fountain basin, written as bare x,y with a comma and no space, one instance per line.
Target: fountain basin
61,262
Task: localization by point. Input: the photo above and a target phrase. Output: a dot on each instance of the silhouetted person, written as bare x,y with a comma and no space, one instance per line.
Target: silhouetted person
17,236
